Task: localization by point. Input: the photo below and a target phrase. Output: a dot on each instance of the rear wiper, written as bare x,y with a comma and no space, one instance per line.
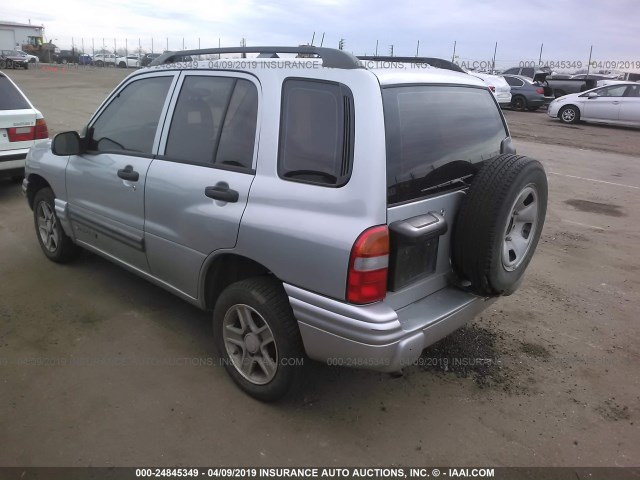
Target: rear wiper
448,183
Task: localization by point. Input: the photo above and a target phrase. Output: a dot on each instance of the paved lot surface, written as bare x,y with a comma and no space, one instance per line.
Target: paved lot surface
561,386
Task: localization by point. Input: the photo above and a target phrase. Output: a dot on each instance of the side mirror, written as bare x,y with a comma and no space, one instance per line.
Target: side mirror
66,143
592,95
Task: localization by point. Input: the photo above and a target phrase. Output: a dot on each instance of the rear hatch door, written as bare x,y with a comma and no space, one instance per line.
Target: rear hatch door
437,137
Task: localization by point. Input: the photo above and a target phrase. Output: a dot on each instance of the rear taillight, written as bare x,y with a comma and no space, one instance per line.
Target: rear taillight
492,88
41,129
368,266
26,134
540,91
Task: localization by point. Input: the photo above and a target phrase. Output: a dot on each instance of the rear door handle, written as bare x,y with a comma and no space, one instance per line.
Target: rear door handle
221,191
128,173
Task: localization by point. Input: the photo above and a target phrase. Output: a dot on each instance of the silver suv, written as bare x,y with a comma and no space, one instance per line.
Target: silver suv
322,207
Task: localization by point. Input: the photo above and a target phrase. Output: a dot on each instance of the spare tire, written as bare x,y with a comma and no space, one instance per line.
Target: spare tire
499,224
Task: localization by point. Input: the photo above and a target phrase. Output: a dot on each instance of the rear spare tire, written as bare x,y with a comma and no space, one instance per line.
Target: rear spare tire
499,224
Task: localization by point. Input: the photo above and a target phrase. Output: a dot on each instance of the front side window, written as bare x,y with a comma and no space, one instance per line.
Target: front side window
316,132
437,135
214,122
130,121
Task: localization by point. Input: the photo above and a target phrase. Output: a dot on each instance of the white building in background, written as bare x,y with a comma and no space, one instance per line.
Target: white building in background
14,35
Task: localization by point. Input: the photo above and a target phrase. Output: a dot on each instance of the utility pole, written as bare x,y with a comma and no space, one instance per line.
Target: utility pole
453,57
322,39
589,64
376,48
418,49
494,58
540,57
341,44
313,37
391,50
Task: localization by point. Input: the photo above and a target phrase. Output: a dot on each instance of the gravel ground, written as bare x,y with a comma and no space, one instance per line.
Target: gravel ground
546,377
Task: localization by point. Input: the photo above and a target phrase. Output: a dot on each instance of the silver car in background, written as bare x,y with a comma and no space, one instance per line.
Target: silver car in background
616,104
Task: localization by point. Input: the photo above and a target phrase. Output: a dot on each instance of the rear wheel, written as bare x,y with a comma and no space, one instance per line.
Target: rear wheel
519,103
499,224
569,114
99,63
257,337
9,64
55,244
3,64
122,65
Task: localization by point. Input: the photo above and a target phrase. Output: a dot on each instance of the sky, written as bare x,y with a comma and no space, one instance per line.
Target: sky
566,29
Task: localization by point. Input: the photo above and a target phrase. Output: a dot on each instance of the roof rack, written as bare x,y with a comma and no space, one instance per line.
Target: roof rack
331,57
434,62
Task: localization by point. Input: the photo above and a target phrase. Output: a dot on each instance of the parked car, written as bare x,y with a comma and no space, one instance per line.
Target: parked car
11,59
375,212
147,58
104,59
85,59
66,56
30,58
525,94
533,73
498,85
130,61
617,104
21,127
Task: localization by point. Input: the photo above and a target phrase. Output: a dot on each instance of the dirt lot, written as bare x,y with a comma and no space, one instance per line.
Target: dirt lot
548,376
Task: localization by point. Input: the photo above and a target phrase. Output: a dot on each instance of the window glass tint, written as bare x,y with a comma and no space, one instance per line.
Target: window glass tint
514,82
239,129
435,135
214,118
512,70
633,91
612,91
130,121
528,72
10,97
316,132
197,118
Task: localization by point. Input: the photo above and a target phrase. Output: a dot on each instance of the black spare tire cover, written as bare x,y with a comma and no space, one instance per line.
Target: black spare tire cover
499,224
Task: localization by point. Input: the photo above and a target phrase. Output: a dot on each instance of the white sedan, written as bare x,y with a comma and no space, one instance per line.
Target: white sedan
21,127
130,61
617,104
498,85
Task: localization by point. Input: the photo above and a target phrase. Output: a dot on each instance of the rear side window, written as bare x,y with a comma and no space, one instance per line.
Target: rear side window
514,82
316,133
214,122
130,121
10,97
436,135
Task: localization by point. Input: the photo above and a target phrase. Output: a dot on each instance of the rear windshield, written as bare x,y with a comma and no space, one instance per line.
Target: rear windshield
437,135
10,97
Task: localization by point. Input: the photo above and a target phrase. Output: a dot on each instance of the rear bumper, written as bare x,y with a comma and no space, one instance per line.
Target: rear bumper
12,160
376,336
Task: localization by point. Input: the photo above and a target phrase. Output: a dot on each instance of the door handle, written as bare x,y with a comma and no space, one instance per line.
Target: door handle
128,173
616,103
221,191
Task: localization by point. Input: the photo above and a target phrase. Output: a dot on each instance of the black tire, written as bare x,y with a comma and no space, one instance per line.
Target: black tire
519,103
9,64
99,63
265,297
122,65
486,223
569,114
3,64
65,250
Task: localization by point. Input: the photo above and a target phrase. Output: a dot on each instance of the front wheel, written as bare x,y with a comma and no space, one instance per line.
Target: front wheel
257,337
122,65
55,244
569,114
